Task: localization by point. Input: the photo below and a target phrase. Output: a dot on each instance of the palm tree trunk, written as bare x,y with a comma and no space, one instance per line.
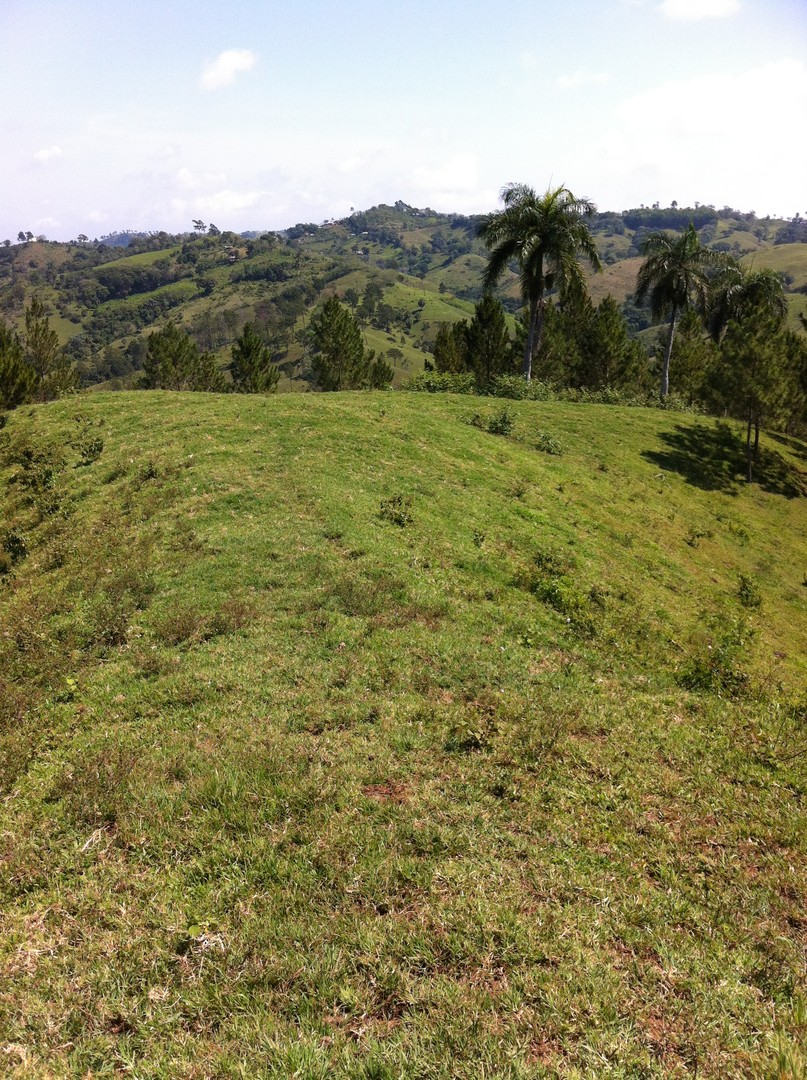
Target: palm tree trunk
527,368
539,327
665,368
748,453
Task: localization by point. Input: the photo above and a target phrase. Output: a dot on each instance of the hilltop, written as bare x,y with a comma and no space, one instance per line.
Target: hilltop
391,735
404,270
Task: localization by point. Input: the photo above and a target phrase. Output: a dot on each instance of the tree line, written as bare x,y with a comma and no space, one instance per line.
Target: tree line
736,356
725,348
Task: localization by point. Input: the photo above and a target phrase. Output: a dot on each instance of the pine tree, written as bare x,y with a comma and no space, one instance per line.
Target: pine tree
173,362
758,377
451,347
252,368
43,353
339,359
619,360
490,351
693,357
18,379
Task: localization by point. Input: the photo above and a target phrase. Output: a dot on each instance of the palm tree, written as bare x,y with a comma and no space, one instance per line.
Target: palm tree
736,293
674,269
547,236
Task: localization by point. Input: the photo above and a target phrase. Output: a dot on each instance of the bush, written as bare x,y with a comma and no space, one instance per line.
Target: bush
86,441
517,388
715,667
747,593
547,443
500,422
550,581
437,382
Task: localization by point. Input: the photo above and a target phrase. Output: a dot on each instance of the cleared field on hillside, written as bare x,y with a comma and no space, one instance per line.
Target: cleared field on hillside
342,737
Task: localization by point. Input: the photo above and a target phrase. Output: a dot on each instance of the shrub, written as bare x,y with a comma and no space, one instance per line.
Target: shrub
550,582
517,388
715,667
86,441
13,547
547,443
38,477
500,422
747,593
446,382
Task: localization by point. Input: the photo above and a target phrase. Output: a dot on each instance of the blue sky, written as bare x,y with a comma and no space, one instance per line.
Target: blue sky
261,113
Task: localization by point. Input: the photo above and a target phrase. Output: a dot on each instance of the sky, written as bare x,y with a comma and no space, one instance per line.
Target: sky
257,114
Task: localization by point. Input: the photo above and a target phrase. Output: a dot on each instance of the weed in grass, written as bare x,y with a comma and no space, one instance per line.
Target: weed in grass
87,442
397,509
549,580
38,477
517,489
500,422
747,593
148,470
94,789
181,625
467,733
694,536
234,614
13,548
787,732
548,444
721,655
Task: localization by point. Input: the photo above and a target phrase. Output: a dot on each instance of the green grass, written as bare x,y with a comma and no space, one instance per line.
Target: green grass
146,258
617,280
340,737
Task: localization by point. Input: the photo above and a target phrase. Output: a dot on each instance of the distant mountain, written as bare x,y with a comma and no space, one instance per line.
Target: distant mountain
405,270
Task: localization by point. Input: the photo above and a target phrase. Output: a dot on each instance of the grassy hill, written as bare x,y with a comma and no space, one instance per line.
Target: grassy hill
343,737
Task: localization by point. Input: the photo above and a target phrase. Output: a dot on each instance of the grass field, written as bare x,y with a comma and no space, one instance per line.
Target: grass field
617,280
340,737
146,258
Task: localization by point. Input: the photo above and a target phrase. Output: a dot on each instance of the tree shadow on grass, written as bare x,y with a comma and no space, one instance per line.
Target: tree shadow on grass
713,458
796,446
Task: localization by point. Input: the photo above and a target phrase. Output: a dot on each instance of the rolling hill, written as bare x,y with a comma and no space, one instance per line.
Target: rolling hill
342,736
105,296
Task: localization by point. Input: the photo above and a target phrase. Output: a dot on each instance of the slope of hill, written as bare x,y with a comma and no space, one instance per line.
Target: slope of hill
342,737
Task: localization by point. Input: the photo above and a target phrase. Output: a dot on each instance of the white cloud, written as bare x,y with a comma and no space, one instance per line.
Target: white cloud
582,78
223,70
225,202
458,174
188,180
351,164
48,153
689,139
691,10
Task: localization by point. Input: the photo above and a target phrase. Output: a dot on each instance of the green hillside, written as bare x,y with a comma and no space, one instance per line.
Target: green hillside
105,297
341,737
